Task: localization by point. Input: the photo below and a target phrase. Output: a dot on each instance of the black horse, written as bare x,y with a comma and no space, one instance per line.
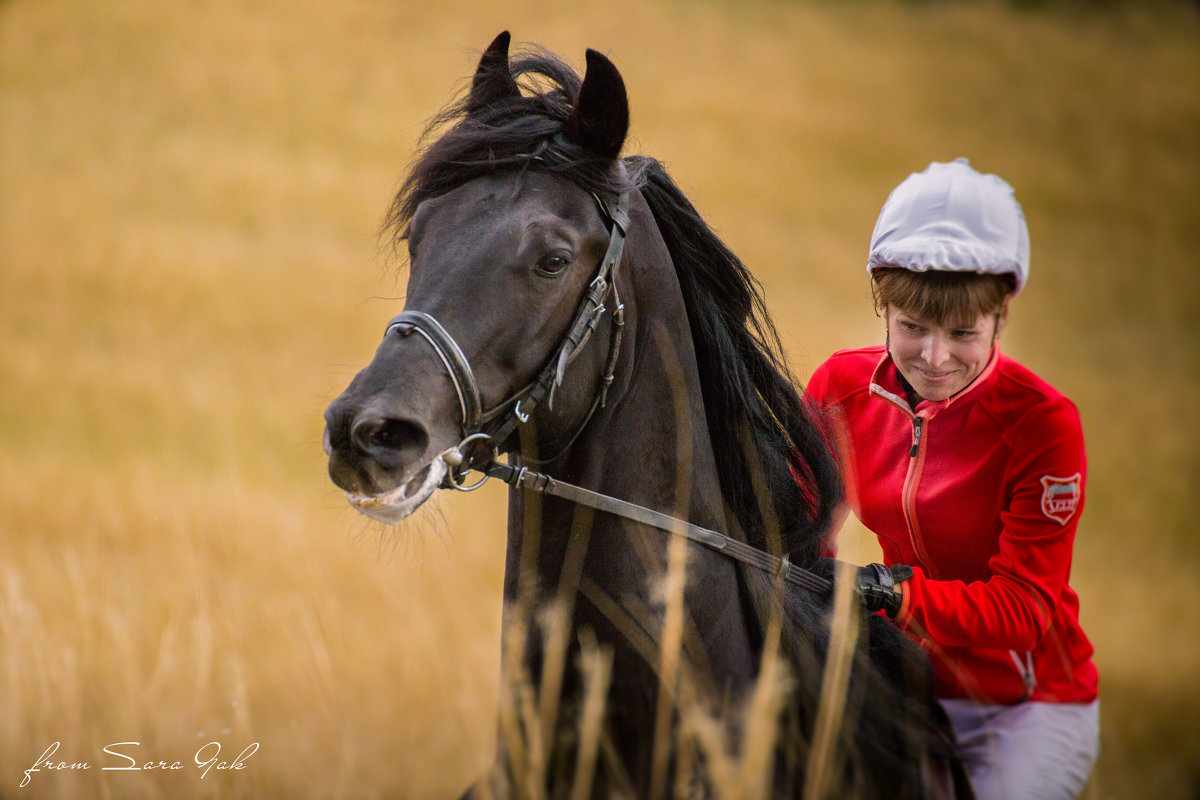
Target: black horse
571,309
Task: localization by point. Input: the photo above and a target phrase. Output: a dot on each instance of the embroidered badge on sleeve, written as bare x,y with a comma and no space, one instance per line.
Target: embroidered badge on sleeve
1060,497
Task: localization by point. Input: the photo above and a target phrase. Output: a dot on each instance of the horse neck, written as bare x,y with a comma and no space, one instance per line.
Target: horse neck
649,445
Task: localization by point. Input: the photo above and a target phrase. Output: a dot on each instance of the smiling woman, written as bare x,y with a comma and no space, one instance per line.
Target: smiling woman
970,470
940,354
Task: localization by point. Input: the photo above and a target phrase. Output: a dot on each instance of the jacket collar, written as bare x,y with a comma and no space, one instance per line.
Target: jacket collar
887,383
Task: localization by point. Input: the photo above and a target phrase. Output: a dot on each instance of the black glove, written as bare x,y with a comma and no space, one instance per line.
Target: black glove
878,585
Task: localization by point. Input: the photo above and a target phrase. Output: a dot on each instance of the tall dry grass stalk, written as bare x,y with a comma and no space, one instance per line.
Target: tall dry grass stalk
675,582
597,669
824,759
755,772
671,650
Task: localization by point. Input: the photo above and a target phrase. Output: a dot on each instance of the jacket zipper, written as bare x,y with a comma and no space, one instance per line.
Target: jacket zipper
909,495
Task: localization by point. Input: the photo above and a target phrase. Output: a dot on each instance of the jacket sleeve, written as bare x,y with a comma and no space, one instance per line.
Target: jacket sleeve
818,385
1014,608
818,389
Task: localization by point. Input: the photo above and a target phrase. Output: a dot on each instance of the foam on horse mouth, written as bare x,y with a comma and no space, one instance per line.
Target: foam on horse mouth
391,507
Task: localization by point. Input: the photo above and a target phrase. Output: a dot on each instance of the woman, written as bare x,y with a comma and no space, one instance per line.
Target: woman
970,469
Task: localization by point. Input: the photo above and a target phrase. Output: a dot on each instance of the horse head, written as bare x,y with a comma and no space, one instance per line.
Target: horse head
501,258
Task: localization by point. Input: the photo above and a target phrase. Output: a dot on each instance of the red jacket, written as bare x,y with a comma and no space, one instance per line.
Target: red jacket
981,495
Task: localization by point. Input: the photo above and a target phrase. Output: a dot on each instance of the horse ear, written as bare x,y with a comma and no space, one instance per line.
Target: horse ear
493,81
600,120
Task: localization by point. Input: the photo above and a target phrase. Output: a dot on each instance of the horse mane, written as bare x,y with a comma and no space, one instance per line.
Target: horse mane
780,495
787,482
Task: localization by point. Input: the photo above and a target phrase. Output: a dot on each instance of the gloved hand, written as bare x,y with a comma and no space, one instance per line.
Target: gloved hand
878,585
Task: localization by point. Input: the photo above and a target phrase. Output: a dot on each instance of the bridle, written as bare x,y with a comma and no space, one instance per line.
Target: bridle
476,423
516,409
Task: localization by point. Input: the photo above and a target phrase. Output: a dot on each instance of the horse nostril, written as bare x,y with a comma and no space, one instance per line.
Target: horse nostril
391,439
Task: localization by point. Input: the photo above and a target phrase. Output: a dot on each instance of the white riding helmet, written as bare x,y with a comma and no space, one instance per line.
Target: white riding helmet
952,218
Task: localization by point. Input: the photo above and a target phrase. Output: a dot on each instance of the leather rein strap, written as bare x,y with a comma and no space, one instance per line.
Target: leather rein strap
525,478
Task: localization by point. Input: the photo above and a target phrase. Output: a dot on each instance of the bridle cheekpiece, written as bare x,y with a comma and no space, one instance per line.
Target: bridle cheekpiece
476,423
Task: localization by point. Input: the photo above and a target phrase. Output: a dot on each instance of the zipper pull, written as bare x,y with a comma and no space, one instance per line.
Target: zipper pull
916,436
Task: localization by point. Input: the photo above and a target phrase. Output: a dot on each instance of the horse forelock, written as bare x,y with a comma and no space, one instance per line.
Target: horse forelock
509,134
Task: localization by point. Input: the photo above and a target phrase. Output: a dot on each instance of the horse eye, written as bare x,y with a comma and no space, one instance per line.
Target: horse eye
554,263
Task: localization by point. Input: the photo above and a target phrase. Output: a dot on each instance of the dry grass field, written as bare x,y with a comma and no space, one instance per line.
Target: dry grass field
189,273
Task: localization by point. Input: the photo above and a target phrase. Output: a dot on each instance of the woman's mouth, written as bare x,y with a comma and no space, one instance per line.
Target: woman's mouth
934,377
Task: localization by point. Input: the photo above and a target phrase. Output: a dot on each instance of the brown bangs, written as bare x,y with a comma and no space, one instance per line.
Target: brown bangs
940,297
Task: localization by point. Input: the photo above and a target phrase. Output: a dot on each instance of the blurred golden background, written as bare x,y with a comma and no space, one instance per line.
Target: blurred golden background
189,273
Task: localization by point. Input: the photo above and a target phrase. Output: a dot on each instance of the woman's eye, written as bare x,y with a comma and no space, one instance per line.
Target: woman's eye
553,263
911,327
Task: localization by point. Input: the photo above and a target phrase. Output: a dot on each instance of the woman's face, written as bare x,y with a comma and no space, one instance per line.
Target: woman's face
939,361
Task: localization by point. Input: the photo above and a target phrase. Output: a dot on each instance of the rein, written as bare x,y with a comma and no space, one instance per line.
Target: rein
516,409
524,478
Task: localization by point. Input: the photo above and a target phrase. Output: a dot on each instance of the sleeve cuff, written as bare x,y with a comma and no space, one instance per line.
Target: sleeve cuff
904,614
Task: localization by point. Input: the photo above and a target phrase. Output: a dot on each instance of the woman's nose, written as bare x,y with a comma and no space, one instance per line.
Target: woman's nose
936,350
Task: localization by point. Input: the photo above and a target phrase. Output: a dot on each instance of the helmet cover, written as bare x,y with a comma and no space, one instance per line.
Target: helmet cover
955,219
